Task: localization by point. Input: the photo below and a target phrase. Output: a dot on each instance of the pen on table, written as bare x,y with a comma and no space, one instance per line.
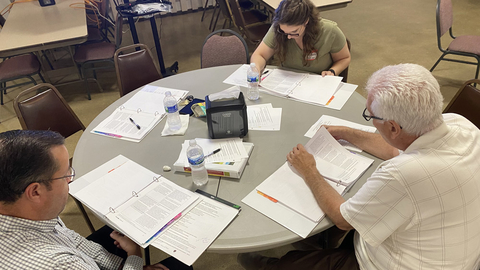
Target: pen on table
137,125
265,72
164,227
213,153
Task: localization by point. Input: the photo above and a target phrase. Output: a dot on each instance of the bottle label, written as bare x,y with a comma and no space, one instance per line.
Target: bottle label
171,109
196,161
251,79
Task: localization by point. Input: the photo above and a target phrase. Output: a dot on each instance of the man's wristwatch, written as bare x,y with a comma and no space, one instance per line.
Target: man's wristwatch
333,71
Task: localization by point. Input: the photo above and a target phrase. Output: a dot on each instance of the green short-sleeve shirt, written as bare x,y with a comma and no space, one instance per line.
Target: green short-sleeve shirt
331,40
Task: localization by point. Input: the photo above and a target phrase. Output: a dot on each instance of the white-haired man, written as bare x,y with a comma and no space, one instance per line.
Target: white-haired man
420,209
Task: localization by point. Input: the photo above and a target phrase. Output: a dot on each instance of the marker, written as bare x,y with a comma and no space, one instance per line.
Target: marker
265,72
133,122
108,134
213,153
206,194
164,227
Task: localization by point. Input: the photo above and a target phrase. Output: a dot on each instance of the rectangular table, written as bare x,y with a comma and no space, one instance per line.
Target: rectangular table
31,27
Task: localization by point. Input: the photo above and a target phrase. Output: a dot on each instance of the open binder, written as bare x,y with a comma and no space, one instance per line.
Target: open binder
285,193
131,198
150,209
134,119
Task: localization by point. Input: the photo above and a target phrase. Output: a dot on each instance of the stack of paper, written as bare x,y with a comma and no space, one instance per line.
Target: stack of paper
334,121
139,115
314,89
287,188
264,117
230,161
150,209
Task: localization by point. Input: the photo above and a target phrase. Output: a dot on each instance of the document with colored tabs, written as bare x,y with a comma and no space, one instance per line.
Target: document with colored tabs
287,188
139,208
134,119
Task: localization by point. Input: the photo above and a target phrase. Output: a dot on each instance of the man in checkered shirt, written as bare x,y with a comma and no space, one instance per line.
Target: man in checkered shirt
420,209
34,177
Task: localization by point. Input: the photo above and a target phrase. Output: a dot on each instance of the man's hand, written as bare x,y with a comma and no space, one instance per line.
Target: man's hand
123,242
338,132
301,160
157,266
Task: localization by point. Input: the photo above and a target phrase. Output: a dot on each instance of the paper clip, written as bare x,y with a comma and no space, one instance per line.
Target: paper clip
134,194
111,210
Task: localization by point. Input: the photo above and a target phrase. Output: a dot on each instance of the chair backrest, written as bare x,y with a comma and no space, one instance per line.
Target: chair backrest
46,110
444,16
344,73
223,50
135,69
466,102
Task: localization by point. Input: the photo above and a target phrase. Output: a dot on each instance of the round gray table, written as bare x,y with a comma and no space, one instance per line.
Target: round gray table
251,230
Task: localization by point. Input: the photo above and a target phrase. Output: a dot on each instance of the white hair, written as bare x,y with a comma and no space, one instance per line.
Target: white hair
407,94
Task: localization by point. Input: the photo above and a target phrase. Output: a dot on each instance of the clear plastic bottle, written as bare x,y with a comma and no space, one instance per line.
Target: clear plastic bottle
197,163
171,107
253,79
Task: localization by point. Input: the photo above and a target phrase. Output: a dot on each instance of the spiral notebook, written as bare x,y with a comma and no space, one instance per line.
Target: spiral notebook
134,119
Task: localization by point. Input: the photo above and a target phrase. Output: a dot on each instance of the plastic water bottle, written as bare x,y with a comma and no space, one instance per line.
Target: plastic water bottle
253,78
197,163
171,107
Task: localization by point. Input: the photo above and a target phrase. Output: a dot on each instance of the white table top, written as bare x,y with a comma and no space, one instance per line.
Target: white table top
251,230
320,4
31,27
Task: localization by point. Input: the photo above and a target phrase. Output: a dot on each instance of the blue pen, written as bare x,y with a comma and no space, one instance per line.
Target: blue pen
164,227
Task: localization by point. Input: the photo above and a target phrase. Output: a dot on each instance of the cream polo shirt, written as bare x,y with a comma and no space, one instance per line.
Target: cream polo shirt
330,40
421,209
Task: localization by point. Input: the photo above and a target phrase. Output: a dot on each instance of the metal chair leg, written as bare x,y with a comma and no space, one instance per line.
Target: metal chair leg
204,9
438,61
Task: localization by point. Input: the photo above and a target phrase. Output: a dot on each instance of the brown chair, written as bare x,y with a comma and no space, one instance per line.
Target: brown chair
344,73
48,110
462,45
252,32
17,67
223,50
466,102
135,69
87,55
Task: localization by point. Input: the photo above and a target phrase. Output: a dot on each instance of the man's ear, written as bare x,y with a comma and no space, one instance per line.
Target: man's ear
394,128
34,191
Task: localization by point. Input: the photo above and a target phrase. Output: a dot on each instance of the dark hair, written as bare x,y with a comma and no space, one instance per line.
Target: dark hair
296,12
25,158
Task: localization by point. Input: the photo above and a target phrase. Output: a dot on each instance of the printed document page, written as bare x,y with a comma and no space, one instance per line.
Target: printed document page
334,121
264,117
231,149
316,89
150,99
287,187
135,200
195,231
282,82
238,77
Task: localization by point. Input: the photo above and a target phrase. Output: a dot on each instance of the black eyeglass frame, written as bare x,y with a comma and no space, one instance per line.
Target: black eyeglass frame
370,117
280,31
66,176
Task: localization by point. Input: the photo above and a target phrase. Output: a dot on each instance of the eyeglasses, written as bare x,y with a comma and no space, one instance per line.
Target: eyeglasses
369,117
280,31
69,177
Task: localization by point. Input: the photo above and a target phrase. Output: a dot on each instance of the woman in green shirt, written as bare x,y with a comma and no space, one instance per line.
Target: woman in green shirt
302,40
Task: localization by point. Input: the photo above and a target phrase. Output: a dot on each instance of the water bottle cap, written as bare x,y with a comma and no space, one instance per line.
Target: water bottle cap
193,142
253,64
168,93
